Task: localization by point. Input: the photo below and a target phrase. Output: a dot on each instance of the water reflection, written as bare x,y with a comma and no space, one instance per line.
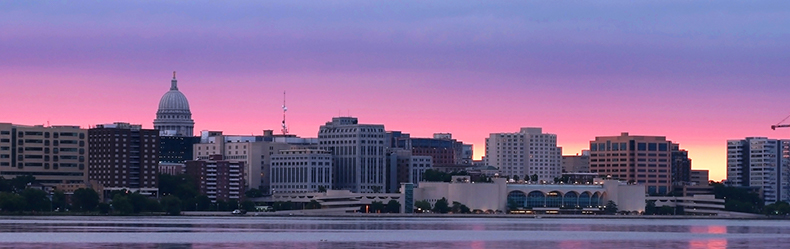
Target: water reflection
300,232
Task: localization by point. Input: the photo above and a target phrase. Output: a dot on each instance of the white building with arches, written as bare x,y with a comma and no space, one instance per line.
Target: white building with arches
535,198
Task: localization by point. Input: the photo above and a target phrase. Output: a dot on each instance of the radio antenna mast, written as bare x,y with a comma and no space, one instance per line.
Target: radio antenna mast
285,127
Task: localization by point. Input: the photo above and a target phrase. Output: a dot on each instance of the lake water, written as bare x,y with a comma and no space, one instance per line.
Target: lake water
375,232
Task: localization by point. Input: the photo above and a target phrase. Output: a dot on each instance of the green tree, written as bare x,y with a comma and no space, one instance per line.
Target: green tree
84,200
122,204
515,178
59,201
20,183
393,206
422,206
459,208
376,207
11,202
441,206
171,205
203,203
611,208
534,177
650,207
139,202
738,199
233,204
248,205
154,205
313,204
253,193
36,200
104,208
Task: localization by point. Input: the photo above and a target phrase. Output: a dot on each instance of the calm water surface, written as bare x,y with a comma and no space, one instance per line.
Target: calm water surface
311,232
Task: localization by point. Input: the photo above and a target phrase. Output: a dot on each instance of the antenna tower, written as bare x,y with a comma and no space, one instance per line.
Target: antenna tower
285,127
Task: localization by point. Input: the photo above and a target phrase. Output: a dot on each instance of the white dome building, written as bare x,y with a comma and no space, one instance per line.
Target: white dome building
173,117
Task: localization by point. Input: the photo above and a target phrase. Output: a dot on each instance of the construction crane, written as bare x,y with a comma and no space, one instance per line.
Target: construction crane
780,125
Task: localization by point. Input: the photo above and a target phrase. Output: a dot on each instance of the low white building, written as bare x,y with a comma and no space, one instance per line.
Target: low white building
534,198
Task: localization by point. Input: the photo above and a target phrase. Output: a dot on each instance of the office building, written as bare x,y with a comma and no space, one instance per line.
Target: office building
358,152
642,159
176,149
576,163
760,162
51,154
173,118
124,157
301,171
524,154
700,177
681,166
219,179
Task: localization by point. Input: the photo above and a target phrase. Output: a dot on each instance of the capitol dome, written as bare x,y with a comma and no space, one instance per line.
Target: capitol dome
173,118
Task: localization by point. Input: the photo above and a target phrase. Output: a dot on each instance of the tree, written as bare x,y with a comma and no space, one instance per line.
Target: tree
422,206
171,205
459,208
59,201
534,177
20,183
232,205
322,189
36,200
248,206
778,208
122,204
393,207
84,200
11,202
376,207
139,202
611,208
203,203
253,193
104,208
313,204
650,207
441,206
738,199
515,177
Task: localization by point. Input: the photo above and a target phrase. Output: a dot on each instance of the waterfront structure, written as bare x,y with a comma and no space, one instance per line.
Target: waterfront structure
640,159
699,204
176,149
358,152
173,118
535,198
254,151
219,179
760,162
124,157
524,154
576,163
301,171
51,154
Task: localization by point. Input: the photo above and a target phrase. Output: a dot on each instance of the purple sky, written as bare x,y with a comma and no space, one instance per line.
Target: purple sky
698,72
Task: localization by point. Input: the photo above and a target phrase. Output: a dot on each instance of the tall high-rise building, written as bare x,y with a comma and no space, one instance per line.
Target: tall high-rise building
124,156
175,149
760,162
358,152
525,153
53,155
173,118
681,166
641,159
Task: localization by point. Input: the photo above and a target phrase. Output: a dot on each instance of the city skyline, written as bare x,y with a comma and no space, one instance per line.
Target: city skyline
697,73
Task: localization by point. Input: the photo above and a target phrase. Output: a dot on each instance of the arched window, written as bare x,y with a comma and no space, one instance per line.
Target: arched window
536,199
518,197
554,199
595,201
584,200
570,200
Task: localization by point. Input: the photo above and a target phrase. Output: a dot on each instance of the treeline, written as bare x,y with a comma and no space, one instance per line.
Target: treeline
441,206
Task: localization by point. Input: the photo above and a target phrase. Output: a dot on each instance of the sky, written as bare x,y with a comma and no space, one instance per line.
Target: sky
697,72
